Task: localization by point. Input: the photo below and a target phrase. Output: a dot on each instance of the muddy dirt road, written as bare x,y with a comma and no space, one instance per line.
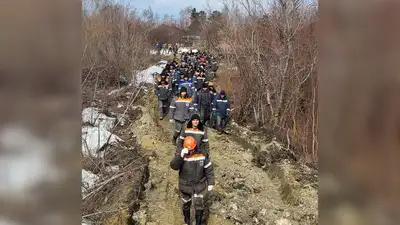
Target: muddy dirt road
243,194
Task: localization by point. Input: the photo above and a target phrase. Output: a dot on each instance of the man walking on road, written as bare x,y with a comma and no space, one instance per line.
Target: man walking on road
221,107
163,93
180,110
213,116
202,103
196,174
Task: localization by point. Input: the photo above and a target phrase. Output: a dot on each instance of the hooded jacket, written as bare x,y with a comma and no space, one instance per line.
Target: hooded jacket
221,106
195,171
180,109
199,133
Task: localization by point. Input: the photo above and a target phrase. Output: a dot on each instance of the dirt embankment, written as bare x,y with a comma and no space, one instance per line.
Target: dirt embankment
116,174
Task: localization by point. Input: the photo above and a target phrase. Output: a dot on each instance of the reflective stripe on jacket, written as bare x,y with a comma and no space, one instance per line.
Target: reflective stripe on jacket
181,109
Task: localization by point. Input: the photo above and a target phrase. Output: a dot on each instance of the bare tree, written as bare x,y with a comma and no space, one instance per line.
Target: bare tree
185,17
275,49
115,44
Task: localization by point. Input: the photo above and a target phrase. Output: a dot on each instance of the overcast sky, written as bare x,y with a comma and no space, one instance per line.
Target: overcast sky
172,7
162,7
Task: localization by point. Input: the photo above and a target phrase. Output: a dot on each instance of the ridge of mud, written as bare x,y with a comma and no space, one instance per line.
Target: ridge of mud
298,182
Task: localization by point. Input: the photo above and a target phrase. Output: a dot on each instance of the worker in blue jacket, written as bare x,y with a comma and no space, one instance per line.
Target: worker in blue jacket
221,107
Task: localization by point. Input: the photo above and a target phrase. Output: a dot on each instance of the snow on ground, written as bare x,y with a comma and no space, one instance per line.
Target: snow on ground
94,139
162,52
89,181
146,76
96,135
180,50
93,116
166,53
112,169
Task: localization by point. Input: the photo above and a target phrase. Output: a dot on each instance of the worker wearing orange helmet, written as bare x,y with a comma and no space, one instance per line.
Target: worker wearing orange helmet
196,177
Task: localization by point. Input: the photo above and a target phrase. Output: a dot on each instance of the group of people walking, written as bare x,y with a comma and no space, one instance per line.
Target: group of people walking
167,48
188,96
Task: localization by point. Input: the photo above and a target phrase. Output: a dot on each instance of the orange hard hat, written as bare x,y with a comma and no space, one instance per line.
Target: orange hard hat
189,143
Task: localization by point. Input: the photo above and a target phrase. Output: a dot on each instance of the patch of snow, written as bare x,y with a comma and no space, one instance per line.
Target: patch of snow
89,181
93,116
122,119
146,76
166,52
94,139
162,52
116,91
161,64
112,169
181,50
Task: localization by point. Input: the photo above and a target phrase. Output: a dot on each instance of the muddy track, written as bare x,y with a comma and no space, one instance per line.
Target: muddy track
162,205
244,193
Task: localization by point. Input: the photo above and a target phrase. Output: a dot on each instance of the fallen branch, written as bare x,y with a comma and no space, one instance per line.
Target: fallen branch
101,185
101,212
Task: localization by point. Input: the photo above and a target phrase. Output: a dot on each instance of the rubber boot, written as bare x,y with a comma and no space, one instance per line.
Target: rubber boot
199,216
174,141
186,215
